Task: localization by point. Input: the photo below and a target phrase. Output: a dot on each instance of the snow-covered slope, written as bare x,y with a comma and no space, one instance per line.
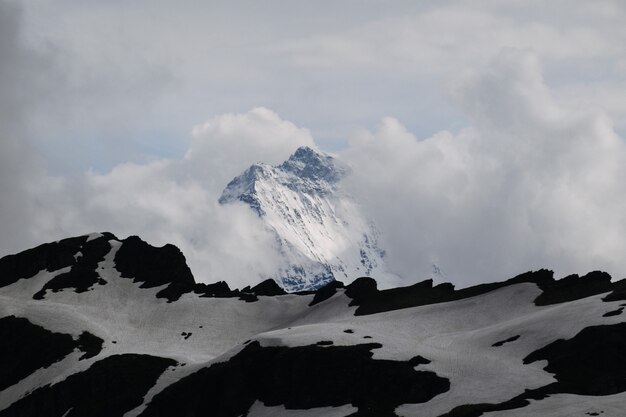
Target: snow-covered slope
98,326
320,231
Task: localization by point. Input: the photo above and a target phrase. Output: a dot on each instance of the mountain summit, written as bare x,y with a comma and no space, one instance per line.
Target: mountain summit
320,231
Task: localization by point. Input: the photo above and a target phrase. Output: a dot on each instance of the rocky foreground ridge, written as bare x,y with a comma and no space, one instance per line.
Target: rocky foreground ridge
100,326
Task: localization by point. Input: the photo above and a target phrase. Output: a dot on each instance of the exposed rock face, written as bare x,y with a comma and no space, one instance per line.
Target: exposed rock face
110,387
152,266
26,347
300,378
320,231
50,257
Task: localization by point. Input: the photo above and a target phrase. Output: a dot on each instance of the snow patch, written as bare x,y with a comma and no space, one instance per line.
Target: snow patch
260,410
93,236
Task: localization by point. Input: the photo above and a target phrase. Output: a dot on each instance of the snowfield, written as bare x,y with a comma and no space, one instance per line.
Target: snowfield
141,345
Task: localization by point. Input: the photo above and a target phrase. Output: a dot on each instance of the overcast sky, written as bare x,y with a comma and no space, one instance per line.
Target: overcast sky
484,136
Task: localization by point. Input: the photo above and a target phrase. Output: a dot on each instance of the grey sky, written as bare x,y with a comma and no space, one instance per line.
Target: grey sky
106,84
142,74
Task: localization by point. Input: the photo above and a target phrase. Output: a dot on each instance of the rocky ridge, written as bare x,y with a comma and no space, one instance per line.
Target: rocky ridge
100,326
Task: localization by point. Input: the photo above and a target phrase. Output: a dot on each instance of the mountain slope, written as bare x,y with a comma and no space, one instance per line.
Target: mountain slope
132,334
320,232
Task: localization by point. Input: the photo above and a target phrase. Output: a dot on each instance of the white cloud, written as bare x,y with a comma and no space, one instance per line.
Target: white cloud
530,184
162,204
25,76
441,39
165,201
176,201
140,78
606,96
534,181
226,145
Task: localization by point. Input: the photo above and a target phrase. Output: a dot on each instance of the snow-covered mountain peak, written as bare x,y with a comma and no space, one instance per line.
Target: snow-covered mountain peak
306,163
243,187
306,171
321,233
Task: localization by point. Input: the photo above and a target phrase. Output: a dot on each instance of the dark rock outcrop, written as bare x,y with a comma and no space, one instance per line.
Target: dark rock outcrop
49,256
26,347
509,340
269,288
299,378
574,287
83,274
370,300
618,293
591,363
326,292
109,388
152,266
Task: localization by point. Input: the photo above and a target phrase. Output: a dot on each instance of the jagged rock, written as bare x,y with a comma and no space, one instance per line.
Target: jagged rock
109,388
300,378
269,287
152,266
49,257
27,347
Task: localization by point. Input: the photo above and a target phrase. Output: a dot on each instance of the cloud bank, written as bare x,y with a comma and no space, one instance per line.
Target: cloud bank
25,76
530,184
141,75
176,201
534,179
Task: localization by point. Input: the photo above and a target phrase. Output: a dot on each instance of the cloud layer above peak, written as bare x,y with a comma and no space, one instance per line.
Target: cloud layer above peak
176,200
531,183
504,149
226,145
